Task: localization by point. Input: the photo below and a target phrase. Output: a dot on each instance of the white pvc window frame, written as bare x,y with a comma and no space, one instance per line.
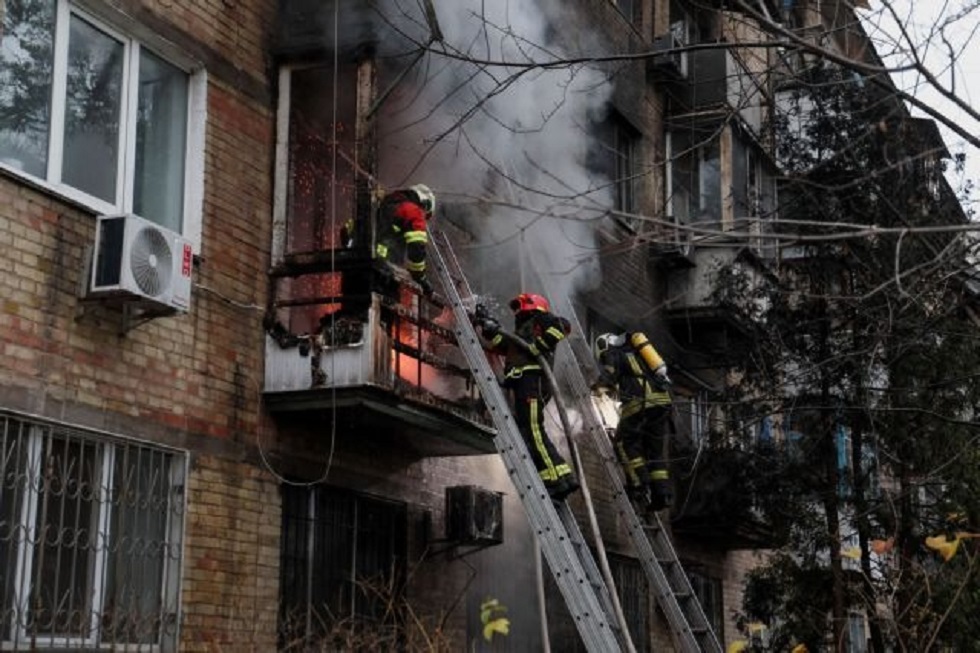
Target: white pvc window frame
193,200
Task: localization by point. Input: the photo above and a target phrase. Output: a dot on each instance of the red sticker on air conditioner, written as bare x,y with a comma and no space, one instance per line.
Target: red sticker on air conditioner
185,268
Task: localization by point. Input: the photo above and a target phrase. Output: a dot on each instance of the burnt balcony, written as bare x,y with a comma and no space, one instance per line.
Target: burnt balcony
305,28
380,357
711,83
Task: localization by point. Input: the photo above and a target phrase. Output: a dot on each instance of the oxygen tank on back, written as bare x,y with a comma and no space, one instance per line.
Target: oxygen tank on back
646,351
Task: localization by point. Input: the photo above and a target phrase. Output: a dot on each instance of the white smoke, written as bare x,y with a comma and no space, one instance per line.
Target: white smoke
504,147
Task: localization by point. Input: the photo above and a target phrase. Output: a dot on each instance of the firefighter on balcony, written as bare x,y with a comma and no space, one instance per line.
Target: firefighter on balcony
632,368
402,221
541,330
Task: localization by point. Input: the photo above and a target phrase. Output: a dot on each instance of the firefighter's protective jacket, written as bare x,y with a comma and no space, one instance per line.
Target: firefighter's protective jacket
542,331
406,220
625,369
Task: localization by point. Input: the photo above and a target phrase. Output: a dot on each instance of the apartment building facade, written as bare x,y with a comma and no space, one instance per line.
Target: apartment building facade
224,427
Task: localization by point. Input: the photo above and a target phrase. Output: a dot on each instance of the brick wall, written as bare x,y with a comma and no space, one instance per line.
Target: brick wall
736,567
191,380
199,373
231,564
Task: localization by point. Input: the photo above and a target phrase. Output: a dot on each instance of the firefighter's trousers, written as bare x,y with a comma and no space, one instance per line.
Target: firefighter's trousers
531,393
640,441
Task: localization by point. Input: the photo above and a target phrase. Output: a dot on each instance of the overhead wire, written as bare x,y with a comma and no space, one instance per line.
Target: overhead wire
328,465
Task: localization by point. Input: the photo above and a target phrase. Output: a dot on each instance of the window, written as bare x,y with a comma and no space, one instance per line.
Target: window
632,9
708,590
618,158
694,179
97,116
753,196
857,633
319,177
90,539
315,181
692,414
634,597
339,549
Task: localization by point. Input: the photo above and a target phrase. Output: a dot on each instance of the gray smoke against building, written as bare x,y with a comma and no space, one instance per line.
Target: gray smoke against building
505,147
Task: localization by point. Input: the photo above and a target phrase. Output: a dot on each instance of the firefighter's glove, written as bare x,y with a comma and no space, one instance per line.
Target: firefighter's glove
661,379
490,327
347,234
426,287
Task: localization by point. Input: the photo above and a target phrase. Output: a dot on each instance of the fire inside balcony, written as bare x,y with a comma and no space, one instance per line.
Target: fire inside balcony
379,354
349,335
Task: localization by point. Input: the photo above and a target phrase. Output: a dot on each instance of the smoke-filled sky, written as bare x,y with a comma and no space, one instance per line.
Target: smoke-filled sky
503,148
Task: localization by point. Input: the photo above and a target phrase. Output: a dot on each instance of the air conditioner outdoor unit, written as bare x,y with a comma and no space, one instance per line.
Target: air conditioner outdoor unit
474,515
669,58
135,260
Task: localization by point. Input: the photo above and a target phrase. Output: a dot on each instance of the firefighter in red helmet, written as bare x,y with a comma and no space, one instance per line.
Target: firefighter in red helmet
403,217
536,325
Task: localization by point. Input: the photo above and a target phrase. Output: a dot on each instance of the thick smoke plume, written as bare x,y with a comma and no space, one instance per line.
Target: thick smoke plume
505,147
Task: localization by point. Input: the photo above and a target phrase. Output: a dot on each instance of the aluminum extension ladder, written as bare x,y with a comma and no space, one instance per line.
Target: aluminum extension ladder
688,624
572,565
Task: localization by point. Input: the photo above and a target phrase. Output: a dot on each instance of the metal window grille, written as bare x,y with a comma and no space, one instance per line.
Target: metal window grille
634,596
90,539
343,559
709,593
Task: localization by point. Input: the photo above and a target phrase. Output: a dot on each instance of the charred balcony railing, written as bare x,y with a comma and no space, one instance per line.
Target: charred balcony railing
385,358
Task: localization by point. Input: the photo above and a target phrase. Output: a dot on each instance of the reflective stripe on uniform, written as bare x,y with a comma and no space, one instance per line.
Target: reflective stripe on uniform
518,372
631,477
555,333
381,251
549,473
416,237
652,397
636,405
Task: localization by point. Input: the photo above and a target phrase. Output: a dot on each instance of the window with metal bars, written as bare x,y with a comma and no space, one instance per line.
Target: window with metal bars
634,597
342,568
708,590
91,533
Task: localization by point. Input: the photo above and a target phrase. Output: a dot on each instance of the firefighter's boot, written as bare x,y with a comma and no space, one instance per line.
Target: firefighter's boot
559,489
661,493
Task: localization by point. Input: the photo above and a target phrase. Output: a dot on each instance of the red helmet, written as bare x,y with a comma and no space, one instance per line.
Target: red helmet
529,302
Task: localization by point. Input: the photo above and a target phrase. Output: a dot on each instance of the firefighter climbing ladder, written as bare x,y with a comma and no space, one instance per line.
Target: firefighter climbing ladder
564,548
656,554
